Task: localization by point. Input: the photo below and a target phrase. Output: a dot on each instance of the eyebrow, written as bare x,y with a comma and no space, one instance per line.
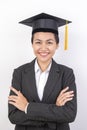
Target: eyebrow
50,40
46,40
38,40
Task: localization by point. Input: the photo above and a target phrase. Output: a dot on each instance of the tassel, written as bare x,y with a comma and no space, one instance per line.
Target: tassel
66,37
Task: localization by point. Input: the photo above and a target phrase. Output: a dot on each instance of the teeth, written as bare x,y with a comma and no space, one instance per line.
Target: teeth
43,54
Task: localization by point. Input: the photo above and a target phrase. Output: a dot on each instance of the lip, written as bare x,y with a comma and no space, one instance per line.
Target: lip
43,54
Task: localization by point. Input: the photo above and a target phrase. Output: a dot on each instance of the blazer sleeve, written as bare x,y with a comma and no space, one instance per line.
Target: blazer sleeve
38,113
51,112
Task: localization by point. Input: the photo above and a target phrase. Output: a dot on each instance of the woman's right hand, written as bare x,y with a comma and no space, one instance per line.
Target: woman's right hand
64,97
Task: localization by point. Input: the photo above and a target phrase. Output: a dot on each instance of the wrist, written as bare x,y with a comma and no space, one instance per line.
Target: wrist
25,110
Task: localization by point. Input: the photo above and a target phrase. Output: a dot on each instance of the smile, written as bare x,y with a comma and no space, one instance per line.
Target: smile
43,54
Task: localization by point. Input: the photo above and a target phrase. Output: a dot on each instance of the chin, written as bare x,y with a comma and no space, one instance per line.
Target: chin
44,59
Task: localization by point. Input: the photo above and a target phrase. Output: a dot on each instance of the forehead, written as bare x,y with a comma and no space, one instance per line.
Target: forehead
44,35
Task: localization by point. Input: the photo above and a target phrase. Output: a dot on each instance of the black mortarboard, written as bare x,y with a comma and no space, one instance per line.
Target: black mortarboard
45,23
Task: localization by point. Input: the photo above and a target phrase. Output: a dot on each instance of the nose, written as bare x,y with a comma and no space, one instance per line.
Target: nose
43,46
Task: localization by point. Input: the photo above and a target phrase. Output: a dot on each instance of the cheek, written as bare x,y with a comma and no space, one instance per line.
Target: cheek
35,49
53,49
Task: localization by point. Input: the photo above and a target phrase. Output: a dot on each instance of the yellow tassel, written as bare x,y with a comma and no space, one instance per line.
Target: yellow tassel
66,37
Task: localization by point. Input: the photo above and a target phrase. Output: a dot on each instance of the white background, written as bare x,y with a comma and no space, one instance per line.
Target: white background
16,49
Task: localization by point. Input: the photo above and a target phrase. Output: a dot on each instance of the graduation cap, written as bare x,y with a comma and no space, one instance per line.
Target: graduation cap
47,23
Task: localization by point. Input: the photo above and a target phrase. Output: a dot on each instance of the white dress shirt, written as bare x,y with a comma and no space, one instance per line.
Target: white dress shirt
41,78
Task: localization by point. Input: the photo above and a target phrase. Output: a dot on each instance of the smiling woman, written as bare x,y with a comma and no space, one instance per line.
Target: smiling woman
43,93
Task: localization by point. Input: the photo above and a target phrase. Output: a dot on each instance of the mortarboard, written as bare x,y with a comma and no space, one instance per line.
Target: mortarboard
47,23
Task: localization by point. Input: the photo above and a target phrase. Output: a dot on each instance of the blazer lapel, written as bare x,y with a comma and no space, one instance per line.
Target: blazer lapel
52,79
30,82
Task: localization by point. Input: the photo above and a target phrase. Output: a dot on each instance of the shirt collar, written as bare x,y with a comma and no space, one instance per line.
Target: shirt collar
37,68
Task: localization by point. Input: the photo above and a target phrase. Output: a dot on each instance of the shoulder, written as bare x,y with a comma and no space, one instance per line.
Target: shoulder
65,68
66,73
62,68
25,67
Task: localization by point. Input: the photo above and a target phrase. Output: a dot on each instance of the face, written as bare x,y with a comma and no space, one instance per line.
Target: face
44,46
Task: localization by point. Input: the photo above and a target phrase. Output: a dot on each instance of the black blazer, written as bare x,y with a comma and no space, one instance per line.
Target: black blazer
43,115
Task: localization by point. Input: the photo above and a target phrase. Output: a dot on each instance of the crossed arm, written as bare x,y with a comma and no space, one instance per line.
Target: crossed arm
64,109
41,112
20,102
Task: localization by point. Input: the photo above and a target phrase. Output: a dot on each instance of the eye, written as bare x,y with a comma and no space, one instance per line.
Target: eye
50,42
37,42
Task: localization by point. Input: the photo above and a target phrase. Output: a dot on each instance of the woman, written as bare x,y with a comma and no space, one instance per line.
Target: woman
43,93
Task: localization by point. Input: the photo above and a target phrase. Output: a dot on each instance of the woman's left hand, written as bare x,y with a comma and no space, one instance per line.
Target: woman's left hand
64,96
18,100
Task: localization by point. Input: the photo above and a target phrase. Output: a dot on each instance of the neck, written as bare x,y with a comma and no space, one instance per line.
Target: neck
43,65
